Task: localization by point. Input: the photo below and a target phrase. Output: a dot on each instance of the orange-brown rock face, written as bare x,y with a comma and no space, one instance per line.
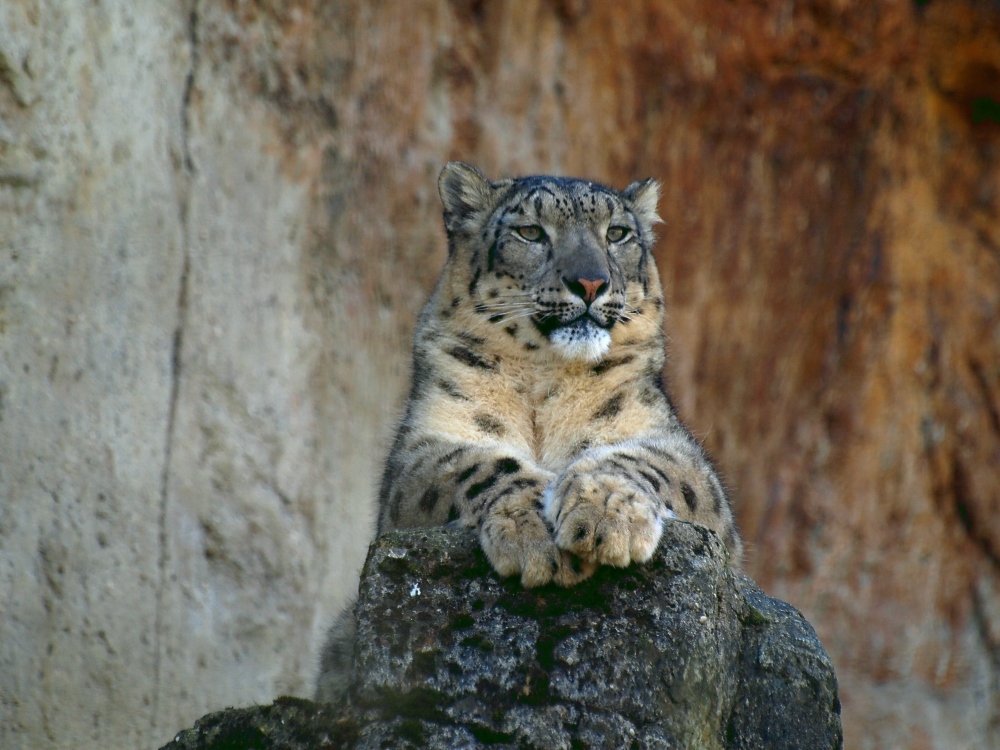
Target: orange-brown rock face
831,177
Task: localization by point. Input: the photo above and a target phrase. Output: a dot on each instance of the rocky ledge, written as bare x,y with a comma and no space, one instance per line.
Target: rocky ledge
679,653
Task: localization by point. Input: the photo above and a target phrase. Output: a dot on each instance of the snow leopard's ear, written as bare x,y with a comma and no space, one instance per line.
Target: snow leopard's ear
465,193
642,198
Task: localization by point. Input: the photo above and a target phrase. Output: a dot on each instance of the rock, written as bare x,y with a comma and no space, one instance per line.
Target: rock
679,653
288,724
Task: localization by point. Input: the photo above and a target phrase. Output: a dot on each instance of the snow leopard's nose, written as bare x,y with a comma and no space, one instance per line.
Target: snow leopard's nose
586,289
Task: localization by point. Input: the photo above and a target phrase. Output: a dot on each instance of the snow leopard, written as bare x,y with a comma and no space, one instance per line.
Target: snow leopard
537,414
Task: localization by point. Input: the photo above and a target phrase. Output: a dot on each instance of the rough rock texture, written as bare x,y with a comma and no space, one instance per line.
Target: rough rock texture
677,653
182,508
217,223
91,251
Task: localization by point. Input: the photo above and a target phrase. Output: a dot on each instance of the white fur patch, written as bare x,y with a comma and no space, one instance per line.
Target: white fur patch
549,506
581,341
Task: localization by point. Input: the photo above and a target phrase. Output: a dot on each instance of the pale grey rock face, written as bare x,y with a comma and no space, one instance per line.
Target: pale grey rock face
91,256
679,653
182,507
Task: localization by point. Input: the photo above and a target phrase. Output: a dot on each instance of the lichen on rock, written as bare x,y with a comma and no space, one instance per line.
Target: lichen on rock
682,652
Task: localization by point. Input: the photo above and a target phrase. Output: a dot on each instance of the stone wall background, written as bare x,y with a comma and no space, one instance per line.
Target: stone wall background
218,219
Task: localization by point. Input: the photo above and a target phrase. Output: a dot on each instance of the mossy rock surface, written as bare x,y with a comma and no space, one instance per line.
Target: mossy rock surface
679,653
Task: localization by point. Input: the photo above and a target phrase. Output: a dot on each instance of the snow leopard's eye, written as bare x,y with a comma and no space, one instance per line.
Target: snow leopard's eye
531,233
617,234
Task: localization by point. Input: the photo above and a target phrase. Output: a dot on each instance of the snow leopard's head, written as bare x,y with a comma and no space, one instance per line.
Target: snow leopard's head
568,255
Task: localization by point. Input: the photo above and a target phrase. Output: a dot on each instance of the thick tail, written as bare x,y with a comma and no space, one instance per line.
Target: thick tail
337,658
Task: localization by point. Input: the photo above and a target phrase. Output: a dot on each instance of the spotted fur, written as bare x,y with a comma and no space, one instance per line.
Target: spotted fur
537,414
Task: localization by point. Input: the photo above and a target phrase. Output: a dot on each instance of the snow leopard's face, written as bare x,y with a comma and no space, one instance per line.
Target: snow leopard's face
570,256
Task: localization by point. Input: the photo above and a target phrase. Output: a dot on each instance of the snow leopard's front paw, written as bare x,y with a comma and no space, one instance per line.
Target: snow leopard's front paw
517,540
604,518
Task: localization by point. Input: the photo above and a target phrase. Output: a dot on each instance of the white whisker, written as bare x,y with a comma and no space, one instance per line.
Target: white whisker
511,306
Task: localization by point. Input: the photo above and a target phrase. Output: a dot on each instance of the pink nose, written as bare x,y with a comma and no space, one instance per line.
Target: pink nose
591,288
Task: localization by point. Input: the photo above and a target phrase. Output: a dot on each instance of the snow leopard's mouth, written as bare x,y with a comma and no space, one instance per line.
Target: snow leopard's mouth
581,324
582,339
